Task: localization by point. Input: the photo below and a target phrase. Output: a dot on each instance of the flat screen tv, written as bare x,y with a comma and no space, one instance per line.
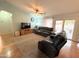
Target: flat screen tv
25,25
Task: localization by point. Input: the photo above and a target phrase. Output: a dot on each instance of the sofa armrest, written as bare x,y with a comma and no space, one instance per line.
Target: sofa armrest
43,42
60,46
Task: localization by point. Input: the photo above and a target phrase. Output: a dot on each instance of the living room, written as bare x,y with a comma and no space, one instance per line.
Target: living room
25,23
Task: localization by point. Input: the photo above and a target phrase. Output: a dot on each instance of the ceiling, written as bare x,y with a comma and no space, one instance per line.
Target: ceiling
51,7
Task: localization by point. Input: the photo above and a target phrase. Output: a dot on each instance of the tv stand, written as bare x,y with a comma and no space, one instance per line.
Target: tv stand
26,31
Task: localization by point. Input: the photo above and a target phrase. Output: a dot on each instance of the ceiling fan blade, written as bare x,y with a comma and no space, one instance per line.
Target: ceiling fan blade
30,9
42,13
35,8
33,5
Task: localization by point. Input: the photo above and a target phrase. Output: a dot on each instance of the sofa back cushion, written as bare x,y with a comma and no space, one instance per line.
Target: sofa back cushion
58,40
46,28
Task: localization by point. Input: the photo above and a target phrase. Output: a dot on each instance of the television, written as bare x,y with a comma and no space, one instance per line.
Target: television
25,25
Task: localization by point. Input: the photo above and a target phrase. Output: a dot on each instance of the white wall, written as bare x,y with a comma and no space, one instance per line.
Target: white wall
18,15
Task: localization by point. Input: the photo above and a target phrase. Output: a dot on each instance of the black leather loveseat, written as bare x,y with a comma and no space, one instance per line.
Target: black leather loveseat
44,31
52,46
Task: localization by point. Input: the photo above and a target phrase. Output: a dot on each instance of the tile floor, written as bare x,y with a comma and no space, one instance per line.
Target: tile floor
27,47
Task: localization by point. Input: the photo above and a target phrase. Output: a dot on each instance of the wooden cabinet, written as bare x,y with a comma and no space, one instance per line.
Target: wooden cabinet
26,31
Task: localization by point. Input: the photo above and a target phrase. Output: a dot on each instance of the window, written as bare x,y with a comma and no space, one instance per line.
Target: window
47,22
69,28
58,26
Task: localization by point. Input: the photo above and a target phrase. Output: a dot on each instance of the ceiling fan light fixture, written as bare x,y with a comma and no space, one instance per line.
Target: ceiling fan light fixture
36,9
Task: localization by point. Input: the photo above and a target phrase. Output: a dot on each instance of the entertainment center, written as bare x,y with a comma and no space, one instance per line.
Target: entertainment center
25,28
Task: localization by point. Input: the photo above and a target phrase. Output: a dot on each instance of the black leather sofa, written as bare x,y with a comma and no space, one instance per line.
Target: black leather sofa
52,46
44,31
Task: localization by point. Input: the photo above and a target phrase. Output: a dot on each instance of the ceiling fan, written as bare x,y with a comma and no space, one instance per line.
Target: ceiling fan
36,8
